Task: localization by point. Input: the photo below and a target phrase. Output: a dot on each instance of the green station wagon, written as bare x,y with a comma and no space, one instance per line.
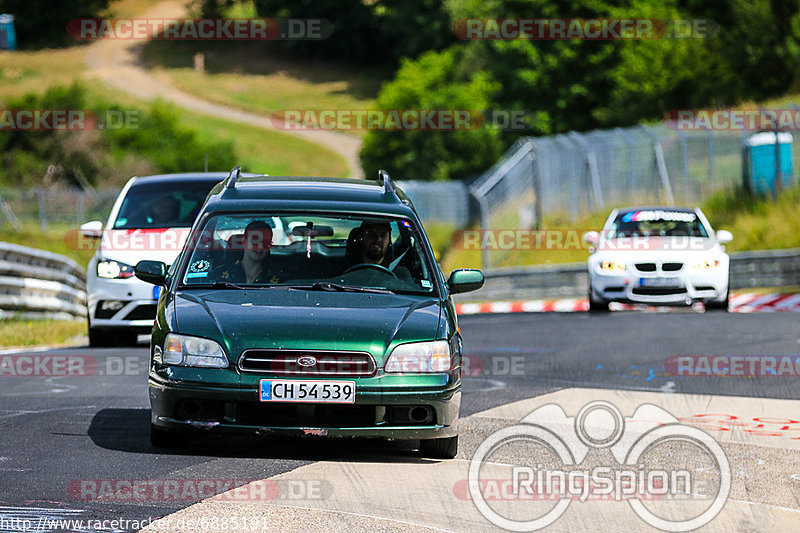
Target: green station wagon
307,306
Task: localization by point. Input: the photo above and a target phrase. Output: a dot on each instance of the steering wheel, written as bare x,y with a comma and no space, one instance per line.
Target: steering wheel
361,266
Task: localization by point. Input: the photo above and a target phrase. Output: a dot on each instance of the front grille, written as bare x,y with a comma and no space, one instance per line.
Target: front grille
142,312
314,415
646,267
308,363
658,291
671,267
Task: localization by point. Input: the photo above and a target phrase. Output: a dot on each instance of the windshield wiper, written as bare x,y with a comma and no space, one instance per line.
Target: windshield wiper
335,287
225,285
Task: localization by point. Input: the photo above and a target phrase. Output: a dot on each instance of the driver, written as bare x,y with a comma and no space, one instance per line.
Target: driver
164,210
375,238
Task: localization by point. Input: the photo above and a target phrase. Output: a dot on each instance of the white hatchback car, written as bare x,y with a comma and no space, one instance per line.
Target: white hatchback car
150,220
658,256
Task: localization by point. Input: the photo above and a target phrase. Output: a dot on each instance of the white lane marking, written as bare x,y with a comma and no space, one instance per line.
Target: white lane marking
39,411
779,507
494,384
32,349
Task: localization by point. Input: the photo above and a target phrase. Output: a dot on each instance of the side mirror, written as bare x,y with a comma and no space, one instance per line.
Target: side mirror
92,230
154,272
591,237
724,236
465,280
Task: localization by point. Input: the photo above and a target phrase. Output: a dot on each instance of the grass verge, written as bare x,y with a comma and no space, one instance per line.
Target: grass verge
20,333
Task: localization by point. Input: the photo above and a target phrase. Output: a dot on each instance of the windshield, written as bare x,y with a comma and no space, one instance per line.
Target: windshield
173,204
656,223
309,251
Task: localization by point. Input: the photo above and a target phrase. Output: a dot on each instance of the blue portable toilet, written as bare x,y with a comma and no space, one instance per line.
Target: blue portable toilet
760,164
8,39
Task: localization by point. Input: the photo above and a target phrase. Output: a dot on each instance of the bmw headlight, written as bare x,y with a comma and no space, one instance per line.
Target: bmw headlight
612,266
110,269
414,357
705,265
184,350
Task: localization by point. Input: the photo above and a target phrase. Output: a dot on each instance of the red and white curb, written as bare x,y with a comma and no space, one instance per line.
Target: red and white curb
746,302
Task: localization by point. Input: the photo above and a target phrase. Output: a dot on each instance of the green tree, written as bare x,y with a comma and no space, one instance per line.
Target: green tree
433,82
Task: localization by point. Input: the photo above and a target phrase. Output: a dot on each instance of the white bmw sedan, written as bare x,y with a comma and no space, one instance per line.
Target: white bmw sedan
658,256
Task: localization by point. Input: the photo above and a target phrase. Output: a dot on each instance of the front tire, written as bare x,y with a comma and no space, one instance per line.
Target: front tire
99,338
719,306
445,448
596,306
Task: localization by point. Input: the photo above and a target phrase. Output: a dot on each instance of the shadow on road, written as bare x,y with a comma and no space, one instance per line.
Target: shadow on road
128,430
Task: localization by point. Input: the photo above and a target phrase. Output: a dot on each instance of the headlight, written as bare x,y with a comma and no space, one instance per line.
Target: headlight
113,270
184,350
612,266
705,265
432,356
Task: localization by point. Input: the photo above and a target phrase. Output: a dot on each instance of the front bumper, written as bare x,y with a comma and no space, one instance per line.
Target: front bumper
688,287
137,299
191,407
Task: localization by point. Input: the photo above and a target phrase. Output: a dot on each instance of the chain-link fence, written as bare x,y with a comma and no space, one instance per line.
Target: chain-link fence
54,206
439,202
573,174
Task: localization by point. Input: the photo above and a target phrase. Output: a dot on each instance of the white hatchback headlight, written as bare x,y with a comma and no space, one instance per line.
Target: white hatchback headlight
111,269
415,357
184,350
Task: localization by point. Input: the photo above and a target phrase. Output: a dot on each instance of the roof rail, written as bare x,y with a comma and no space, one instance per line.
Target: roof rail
233,177
386,181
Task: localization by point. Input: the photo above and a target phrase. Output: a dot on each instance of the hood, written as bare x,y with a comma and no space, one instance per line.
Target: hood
300,319
133,245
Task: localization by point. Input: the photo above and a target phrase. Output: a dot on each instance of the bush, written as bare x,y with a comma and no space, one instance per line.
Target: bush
157,143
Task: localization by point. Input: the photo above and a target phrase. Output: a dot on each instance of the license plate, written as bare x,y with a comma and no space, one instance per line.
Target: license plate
316,391
156,292
659,282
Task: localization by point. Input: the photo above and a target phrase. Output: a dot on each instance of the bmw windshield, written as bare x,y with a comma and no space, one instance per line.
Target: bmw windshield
306,251
656,223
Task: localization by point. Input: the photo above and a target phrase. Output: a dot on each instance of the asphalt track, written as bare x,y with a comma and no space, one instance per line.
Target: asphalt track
59,431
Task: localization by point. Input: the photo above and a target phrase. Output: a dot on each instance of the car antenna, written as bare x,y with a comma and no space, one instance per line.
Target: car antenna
386,181
233,177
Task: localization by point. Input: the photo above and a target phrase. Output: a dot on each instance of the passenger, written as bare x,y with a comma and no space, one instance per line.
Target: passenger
253,264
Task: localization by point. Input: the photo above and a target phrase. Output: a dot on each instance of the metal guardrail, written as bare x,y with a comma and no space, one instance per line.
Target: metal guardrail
769,268
39,284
